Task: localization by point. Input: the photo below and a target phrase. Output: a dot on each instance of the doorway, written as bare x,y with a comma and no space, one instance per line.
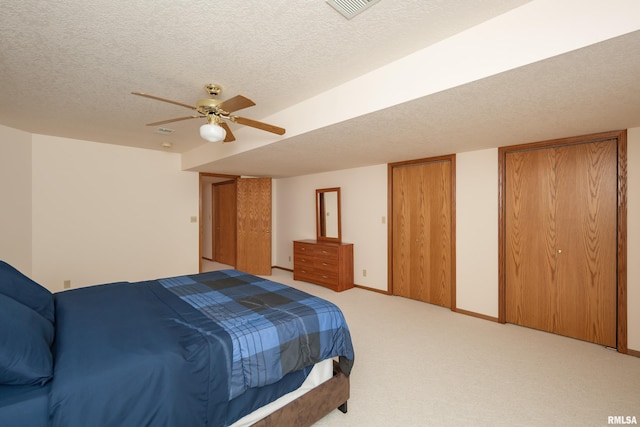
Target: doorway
247,216
207,226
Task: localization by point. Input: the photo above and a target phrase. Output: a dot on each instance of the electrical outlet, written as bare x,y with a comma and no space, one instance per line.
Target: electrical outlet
289,258
364,273
67,284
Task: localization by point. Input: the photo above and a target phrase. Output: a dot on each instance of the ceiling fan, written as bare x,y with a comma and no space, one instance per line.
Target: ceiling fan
216,112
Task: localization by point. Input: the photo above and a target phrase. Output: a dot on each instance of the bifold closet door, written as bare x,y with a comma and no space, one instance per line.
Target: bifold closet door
254,225
561,240
421,229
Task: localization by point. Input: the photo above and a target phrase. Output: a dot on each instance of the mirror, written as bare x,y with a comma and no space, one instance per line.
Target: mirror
328,214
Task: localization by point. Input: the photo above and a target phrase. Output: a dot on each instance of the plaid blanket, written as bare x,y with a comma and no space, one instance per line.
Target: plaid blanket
275,329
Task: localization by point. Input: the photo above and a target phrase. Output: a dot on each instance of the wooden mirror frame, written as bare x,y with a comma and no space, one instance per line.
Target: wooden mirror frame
321,216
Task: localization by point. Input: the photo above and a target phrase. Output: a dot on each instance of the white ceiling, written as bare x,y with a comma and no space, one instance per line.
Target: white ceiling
67,69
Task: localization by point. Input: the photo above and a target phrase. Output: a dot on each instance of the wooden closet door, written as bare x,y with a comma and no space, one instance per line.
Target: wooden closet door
560,239
422,237
254,225
225,222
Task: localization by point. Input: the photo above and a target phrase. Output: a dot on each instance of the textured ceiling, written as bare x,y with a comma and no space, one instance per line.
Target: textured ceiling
67,69
510,108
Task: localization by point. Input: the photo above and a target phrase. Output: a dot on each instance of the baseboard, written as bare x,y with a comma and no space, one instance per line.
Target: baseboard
474,314
634,353
282,268
366,288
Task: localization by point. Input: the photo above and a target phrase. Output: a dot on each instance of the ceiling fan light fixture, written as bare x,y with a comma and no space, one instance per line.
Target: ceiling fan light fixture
212,132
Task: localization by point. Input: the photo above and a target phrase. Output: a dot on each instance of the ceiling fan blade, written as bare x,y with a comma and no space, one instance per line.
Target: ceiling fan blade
236,103
259,125
230,137
146,95
161,122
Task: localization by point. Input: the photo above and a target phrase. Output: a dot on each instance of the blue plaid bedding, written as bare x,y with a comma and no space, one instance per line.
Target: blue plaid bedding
275,329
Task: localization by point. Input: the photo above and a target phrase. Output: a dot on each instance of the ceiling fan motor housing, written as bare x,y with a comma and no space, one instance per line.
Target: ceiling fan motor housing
208,106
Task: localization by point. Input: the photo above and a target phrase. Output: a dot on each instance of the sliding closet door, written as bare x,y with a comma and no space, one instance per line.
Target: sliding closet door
422,231
561,240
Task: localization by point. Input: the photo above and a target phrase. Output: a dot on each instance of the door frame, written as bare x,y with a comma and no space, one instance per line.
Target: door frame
621,137
390,166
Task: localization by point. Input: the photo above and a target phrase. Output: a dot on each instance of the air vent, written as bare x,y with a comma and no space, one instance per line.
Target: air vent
350,8
164,131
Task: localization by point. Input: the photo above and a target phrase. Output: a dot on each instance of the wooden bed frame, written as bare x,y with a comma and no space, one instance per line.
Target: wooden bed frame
313,405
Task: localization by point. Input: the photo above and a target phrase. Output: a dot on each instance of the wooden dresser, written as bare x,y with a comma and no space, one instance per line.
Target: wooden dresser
327,264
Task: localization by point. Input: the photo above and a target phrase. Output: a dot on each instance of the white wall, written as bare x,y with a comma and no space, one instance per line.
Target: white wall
364,204
477,232
15,196
105,213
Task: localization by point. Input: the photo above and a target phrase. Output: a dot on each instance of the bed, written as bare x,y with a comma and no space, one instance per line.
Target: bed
211,349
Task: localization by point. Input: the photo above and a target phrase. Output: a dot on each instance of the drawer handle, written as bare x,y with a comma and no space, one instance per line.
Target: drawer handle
324,263
302,249
325,277
325,252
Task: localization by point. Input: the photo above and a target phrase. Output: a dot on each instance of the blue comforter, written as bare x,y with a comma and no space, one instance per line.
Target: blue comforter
135,355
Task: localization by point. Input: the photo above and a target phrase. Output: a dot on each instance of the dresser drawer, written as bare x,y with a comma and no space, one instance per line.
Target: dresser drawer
326,264
303,272
320,264
327,278
303,260
315,276
315,250
327,252
300,248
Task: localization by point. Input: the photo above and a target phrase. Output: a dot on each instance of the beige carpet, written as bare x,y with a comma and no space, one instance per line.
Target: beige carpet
422,365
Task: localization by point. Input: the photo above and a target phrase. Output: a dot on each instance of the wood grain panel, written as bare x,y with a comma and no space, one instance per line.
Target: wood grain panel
422,232
588,204
560,240
401,241
530,237
254,225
